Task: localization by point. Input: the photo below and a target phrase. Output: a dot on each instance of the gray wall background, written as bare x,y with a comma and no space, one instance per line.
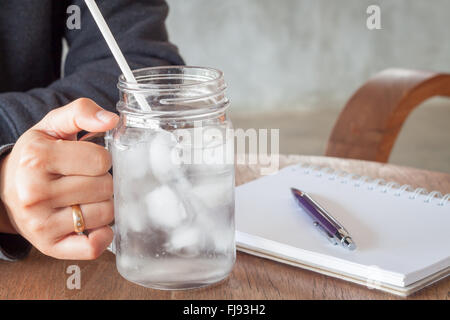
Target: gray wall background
307,53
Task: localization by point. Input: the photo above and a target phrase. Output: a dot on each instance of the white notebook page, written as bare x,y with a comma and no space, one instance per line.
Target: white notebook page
402,239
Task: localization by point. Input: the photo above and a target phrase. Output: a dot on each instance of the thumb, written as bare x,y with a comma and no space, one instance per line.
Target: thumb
81,114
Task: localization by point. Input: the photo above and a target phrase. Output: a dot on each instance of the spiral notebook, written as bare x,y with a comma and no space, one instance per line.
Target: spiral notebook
403,235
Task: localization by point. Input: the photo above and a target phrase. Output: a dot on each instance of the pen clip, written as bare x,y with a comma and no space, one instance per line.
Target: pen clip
330,237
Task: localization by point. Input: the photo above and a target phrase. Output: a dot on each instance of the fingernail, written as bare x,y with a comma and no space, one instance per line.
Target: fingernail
105,116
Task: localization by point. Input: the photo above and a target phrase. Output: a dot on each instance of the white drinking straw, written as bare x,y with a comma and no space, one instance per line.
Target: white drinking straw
114,47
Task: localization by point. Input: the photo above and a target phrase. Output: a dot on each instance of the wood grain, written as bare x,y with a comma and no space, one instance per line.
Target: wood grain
41,277
371,120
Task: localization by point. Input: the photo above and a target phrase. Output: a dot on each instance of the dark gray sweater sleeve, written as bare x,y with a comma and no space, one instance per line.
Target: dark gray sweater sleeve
90,69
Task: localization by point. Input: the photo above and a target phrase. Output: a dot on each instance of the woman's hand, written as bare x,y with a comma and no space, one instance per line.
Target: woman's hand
48,171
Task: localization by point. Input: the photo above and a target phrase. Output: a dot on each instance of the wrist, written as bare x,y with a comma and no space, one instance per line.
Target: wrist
5,223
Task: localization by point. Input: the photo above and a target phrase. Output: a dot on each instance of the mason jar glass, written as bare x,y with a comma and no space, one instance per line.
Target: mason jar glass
173,169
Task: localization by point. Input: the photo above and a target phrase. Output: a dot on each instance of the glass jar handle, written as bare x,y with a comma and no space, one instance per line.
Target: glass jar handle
103,139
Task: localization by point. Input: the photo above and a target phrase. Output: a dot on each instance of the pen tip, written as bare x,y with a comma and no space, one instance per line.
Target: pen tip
348,242
296,191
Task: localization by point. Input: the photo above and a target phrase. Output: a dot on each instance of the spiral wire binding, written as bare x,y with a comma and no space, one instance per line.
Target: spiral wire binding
373,184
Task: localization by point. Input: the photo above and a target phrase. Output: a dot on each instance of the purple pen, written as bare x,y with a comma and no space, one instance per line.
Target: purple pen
329,226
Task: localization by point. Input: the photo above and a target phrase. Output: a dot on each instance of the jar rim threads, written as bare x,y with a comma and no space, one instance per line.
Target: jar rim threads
175,91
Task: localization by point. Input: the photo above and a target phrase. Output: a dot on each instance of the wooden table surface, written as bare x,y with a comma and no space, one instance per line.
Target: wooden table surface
41,277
